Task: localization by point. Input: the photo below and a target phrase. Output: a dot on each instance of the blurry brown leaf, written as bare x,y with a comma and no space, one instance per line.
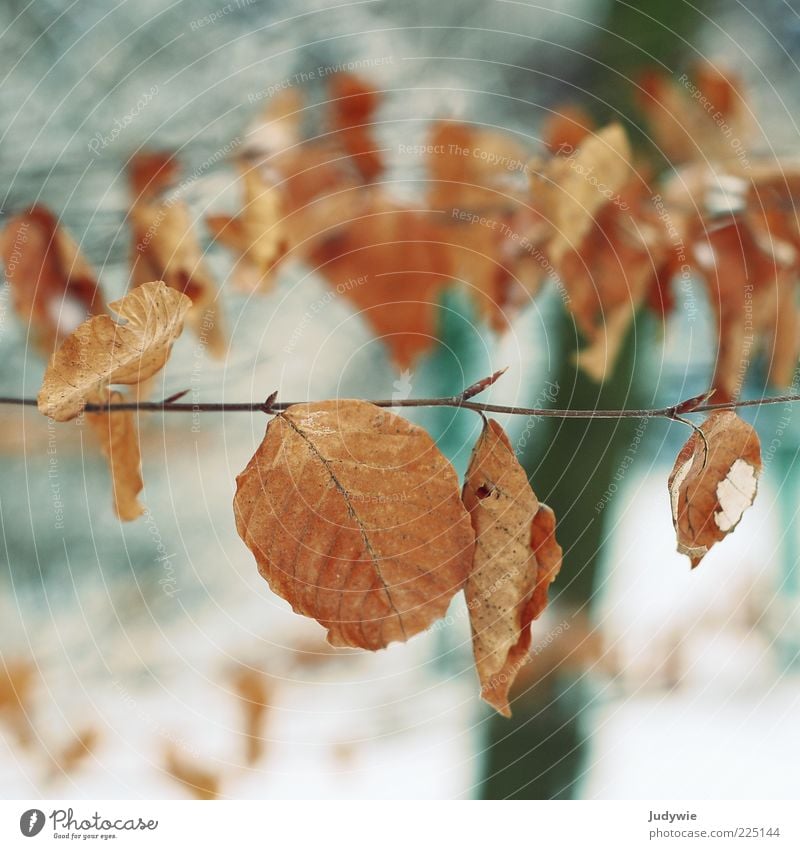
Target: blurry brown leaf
202,783
354,517
254,692
152,172
166,248
255,235
102,351
474,169
698,115
516,559
713,482
48,275
572,189
566,128
17,681
394,264
353,104
71,756
118,439
743,285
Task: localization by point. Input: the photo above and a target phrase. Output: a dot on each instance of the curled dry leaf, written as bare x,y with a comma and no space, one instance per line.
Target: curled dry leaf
119,442
48,275
102,351
354,517
255,235
713,482
516,559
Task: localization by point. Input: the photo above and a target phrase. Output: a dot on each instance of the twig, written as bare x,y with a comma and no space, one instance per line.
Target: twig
462,401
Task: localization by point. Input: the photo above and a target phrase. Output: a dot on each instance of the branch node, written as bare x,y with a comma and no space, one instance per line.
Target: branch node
478,387
266,407
175,397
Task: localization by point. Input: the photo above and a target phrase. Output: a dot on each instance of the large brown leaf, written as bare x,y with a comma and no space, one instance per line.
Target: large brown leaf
516,559
713,482
354,517
102,351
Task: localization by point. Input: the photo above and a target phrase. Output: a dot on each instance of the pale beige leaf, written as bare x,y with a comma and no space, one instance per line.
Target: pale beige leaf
572,189
713,482
256,235
119,442
102,351
354,517
516,559
167,248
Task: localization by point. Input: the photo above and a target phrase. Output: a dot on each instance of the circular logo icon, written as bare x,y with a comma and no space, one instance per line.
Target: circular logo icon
31,822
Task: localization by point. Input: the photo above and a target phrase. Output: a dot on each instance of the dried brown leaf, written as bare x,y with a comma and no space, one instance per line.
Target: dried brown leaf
118,439
166,248
713,482
47,274
516,559
572,189
102,351
354,517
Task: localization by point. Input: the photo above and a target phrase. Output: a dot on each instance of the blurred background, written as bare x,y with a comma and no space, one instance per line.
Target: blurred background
150,659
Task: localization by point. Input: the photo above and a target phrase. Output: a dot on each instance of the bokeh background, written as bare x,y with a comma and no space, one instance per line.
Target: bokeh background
123,666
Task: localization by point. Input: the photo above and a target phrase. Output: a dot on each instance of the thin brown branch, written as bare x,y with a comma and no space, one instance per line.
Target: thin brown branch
461,401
